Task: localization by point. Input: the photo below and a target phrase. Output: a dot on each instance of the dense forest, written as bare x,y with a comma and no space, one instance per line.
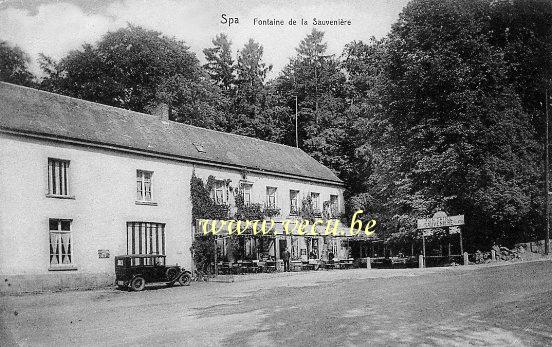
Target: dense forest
446,112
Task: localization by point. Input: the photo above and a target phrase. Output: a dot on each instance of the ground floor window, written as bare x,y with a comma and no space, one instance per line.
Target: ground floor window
295,250
315,248
61,246
334,247
145,238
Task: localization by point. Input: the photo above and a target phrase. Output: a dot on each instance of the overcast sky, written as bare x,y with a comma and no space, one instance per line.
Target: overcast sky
55,27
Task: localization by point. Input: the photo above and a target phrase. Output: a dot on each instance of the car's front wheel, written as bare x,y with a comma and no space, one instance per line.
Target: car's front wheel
172,273
138,283
185,279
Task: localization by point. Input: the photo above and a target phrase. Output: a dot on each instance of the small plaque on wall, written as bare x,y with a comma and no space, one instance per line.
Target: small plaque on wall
103,253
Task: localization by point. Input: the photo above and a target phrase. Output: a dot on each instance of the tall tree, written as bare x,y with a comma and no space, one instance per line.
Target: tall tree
363,63
220,64
523,30
312,74
124,69
453,134
251,69
315,79
14,65
256,110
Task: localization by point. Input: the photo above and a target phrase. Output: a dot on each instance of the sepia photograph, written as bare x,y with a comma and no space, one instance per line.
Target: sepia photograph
275,172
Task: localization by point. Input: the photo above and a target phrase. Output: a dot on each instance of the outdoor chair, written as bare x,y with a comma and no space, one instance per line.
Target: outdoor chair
223,268
255,266
261,266
270,266
305,265
234,269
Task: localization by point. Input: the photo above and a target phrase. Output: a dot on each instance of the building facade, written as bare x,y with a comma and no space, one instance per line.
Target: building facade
84,182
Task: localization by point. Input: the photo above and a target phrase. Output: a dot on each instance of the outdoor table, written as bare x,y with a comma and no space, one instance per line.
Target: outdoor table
346,263
247,266
329,265
314,264
294,264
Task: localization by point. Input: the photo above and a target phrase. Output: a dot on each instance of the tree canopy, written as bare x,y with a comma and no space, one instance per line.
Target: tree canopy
443,113
14,65
220,64
452,132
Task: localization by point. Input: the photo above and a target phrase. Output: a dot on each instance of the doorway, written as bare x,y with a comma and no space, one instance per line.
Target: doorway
283,246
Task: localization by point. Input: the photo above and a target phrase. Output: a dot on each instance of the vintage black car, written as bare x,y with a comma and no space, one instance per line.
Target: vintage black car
135,270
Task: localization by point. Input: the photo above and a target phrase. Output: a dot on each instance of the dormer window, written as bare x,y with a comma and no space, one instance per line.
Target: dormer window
200,148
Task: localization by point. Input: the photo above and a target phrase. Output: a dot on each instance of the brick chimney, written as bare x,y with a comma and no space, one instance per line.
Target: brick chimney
161,111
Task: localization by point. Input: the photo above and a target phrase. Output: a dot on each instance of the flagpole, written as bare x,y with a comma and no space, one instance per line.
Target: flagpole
547,177
296,127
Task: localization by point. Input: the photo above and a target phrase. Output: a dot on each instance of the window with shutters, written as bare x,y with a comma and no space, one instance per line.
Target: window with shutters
61,245
145,238
246,193
315,199
271,197
293,202
58,178
334,206
219,193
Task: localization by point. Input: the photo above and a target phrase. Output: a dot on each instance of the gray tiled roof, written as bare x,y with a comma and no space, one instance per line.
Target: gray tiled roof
37,112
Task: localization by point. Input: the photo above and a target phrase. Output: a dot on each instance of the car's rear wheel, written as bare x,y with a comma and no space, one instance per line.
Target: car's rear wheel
185,279
138,283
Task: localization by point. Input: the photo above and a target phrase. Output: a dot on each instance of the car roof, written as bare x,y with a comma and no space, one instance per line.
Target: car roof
140,256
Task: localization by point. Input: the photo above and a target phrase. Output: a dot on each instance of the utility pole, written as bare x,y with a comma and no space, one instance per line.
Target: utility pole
296,127
547,176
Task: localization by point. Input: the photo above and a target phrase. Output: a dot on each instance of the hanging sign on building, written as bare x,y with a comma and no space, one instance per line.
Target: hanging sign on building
103,253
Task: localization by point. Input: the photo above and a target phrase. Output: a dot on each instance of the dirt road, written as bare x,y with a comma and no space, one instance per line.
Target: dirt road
499,305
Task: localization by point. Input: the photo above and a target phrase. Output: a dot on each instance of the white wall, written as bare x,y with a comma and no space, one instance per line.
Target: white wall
104,186
103,183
